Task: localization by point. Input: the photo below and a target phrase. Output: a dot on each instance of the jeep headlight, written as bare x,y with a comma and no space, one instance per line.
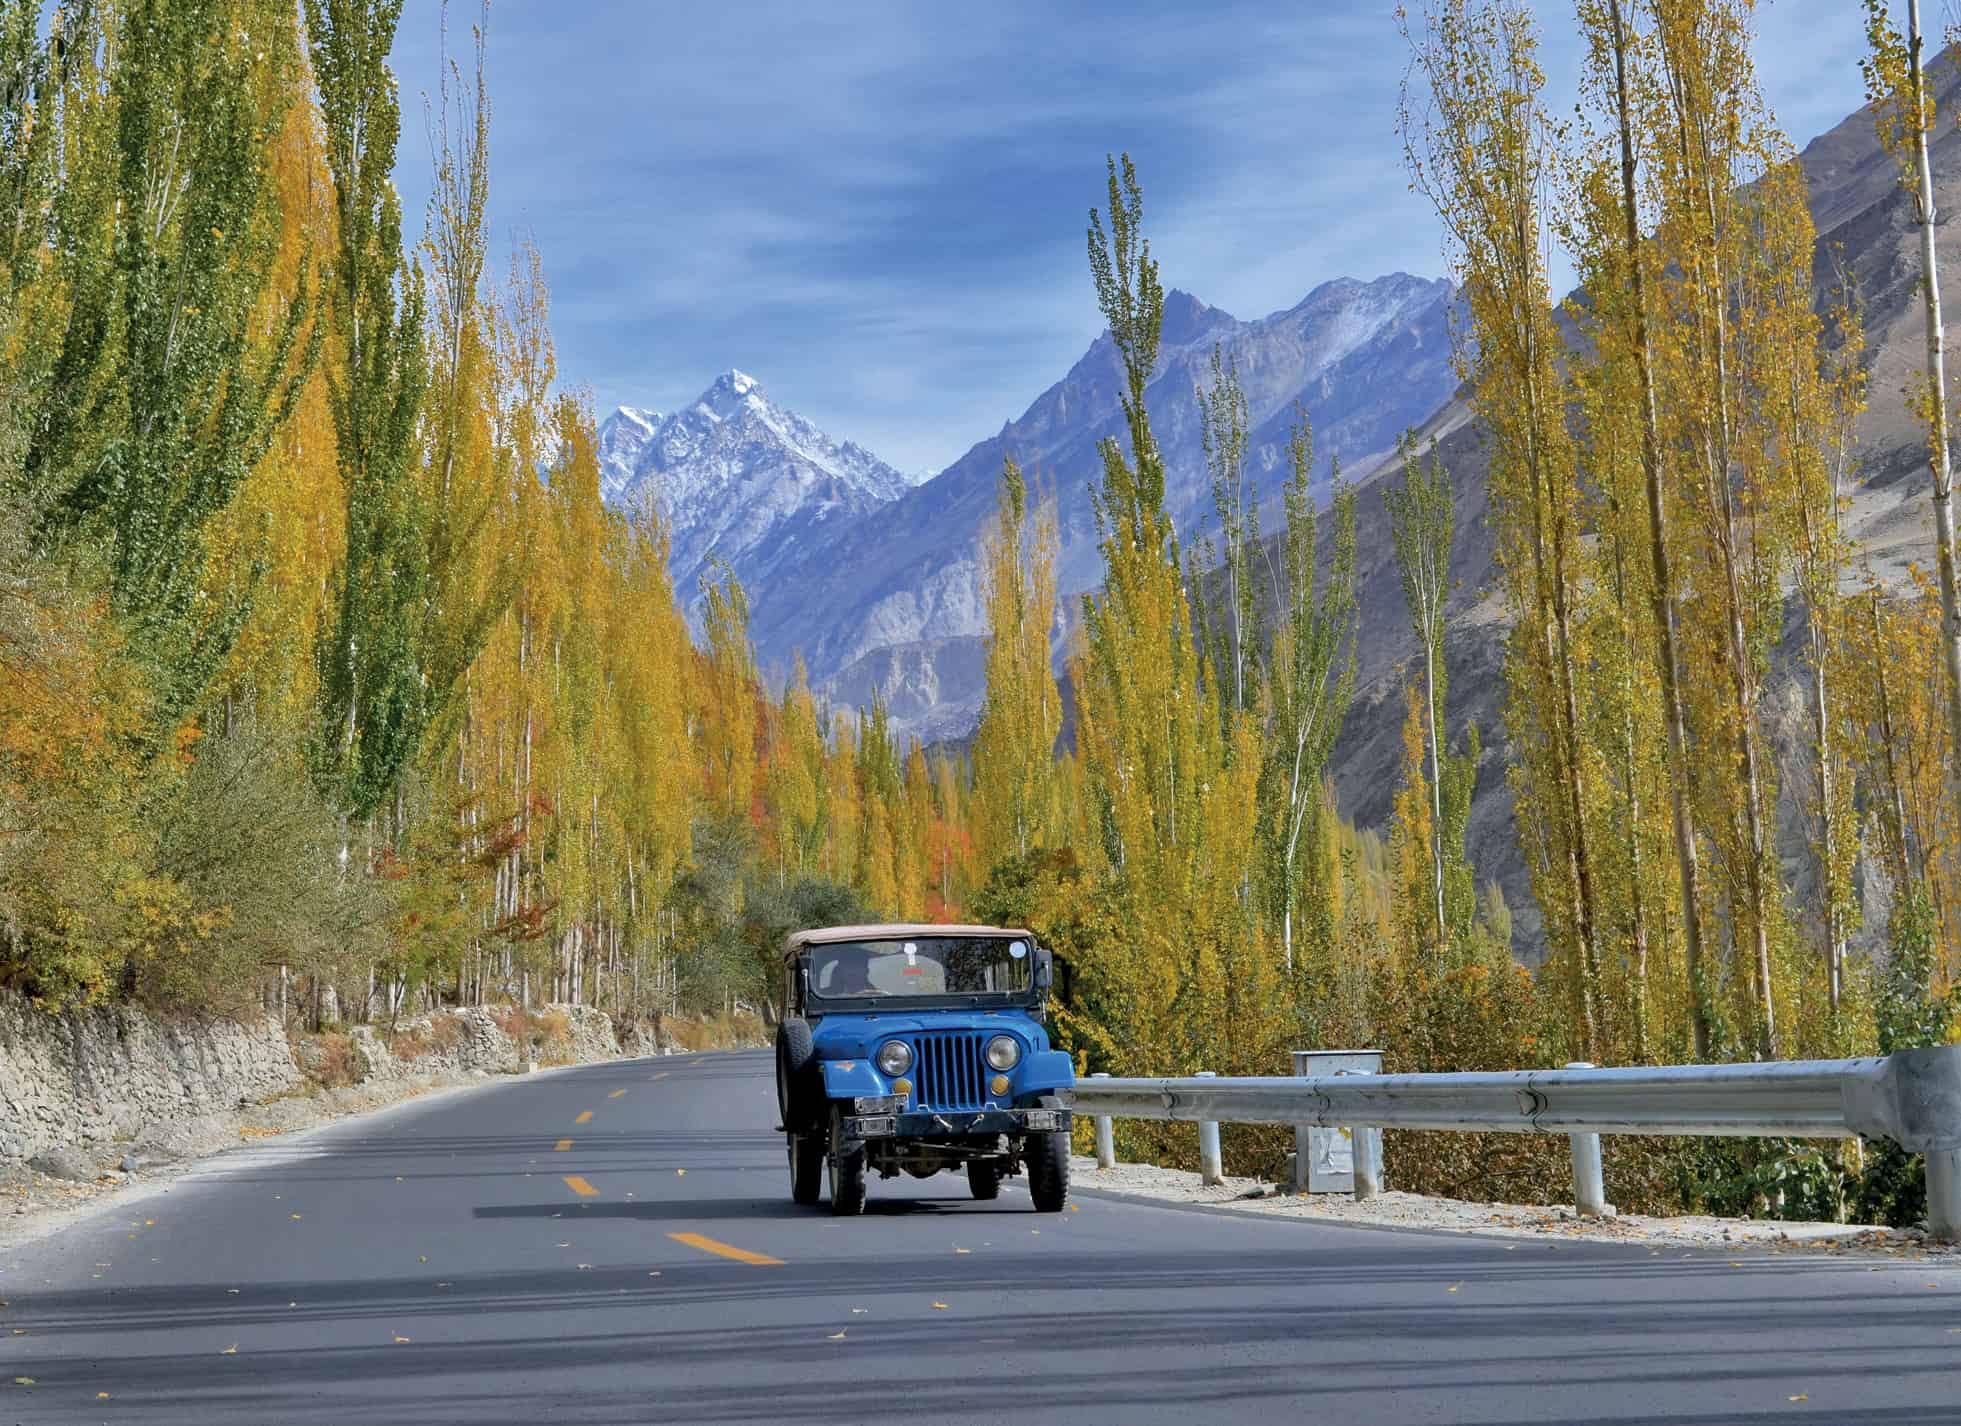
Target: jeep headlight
1004,1052
894,1057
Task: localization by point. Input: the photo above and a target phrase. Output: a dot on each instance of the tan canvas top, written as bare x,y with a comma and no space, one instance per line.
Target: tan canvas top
829,935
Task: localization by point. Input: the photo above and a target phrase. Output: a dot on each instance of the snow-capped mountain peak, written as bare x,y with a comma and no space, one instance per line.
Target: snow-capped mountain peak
622,437
739,477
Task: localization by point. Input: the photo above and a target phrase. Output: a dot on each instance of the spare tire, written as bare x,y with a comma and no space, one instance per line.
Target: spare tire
796,1078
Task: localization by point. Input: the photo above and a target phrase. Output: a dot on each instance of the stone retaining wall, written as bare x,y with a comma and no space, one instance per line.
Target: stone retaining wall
92,1078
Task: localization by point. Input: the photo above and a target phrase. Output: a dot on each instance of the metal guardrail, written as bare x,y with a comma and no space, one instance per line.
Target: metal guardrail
1912,1097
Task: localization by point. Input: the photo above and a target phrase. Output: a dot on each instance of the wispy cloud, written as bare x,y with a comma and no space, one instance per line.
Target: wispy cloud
878,209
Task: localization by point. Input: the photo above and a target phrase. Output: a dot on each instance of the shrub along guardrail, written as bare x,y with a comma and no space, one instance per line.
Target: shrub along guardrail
1912,1097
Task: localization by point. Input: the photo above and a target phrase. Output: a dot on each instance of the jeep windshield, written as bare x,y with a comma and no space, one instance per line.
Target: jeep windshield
921,967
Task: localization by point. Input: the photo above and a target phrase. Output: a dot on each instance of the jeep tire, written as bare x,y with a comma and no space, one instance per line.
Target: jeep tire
806,1168
796,1076
847,1172
984,1178
1047,1157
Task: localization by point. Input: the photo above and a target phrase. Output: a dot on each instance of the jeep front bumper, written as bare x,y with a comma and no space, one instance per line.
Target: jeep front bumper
955,1123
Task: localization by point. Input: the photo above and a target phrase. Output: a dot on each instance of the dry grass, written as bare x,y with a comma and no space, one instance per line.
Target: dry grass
326,1058
542,1035
437,1036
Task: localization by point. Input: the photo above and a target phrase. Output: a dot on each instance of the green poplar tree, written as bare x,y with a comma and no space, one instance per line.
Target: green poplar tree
374,698
165,393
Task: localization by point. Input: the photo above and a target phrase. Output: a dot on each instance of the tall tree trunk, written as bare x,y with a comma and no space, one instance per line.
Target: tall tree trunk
1436,786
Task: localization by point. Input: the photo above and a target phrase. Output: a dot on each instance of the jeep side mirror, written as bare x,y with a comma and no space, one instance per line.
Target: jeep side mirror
1044,970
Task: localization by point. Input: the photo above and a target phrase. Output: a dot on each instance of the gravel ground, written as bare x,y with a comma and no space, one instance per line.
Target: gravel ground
1507,1220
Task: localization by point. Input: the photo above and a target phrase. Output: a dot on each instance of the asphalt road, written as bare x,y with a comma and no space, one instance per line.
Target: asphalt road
616,1244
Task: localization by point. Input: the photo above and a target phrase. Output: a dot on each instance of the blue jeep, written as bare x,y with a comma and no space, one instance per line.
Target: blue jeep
912,1049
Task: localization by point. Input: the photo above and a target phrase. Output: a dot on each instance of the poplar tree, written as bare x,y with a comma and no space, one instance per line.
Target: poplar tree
1021,717
1737,242
1622,84
1904,113
372,662
1480,149
1173,784
1311,684
725,721
1236,644
164,394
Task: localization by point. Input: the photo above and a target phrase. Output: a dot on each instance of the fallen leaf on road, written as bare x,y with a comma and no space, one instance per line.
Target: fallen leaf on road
963,1250
294,1216
421,1257
230,1351
1736,1264
102,1396
835,1337
680,1173
1453,1287
23,1381
1801,1396
939,1307
401,1339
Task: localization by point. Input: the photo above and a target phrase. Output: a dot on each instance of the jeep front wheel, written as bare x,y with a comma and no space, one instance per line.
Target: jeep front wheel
1047,1156
847,1172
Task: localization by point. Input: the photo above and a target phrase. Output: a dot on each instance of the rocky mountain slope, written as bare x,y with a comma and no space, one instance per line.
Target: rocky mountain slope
741,479
1366,359
1864,221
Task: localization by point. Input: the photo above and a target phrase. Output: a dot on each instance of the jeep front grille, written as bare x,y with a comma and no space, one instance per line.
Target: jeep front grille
950,1073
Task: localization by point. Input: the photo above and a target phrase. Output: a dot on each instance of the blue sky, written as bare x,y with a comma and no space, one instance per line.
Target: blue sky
878,210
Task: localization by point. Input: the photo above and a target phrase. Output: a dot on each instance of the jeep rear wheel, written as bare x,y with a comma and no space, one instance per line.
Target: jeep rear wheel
847,1172
796,1059
1047,1156
806,1168
984,1178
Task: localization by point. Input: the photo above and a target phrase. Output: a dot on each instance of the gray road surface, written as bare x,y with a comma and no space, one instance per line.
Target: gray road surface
616,1244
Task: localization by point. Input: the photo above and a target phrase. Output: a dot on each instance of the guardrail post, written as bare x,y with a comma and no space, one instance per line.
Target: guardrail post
1211,1168
1106,1135
1589,1182
1944,1194
1368,1162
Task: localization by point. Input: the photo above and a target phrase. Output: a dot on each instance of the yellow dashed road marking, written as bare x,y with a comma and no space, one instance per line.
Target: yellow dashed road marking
580,1186
726,1250
585,1116
561,1146
616,1094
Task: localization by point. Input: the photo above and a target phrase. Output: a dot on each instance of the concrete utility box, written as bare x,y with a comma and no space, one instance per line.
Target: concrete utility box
1324,1159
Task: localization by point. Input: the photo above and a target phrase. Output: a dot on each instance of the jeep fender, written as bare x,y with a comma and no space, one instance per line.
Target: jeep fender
1046,1070
847,1079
